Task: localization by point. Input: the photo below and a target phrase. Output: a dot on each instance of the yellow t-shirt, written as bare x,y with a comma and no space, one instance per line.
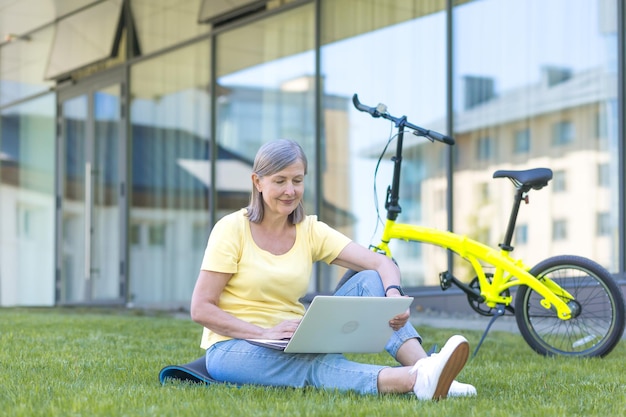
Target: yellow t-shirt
265,289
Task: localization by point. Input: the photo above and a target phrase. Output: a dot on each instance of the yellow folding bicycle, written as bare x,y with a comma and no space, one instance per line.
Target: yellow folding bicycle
564,305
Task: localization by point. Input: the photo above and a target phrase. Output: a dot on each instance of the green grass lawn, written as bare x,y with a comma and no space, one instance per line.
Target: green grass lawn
82,362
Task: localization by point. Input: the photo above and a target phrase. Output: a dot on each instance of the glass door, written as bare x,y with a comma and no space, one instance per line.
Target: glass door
90,261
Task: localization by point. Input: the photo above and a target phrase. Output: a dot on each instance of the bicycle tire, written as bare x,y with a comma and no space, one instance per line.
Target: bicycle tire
594,330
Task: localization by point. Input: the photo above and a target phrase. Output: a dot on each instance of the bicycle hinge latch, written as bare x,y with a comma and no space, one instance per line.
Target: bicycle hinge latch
445,280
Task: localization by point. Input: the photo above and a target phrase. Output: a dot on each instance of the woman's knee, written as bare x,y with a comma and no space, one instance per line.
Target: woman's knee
364,283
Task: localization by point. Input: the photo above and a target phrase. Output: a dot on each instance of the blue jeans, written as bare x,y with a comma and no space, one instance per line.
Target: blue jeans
239,362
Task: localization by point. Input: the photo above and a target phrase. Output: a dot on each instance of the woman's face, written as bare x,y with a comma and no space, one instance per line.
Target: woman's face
282,191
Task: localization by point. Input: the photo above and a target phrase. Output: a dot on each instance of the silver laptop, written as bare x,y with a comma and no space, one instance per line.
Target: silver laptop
342,324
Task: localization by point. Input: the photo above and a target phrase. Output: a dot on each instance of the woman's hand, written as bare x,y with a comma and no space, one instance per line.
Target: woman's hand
284,330
400,320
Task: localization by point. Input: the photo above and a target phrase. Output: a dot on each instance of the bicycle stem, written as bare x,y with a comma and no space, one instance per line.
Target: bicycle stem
392,204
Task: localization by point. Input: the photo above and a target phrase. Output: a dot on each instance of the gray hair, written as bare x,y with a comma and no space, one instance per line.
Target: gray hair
271,158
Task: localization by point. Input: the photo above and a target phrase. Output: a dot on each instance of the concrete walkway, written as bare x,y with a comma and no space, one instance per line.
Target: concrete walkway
469,321
460,321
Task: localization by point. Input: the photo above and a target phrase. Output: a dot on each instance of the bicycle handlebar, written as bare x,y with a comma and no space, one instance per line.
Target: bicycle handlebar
381,111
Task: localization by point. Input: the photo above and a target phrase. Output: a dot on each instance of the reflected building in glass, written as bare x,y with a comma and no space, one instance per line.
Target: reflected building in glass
128,128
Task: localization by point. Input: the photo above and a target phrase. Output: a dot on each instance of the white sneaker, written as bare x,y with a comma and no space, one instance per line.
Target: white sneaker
459,389
436,373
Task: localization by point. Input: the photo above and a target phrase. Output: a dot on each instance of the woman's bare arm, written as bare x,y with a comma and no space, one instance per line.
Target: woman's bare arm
205,311
359,258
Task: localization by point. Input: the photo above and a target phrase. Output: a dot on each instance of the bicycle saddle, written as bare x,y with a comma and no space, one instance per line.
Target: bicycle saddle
536,178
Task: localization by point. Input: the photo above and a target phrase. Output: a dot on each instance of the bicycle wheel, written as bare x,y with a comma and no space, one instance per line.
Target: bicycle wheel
597,321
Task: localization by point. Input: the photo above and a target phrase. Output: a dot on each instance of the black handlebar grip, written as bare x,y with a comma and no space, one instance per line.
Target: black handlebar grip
357,103
441,138
362,107
373,111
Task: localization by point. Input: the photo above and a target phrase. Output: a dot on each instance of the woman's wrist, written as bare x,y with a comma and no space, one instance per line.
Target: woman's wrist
396,288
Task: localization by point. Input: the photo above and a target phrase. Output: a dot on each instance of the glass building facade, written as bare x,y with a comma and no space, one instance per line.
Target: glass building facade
128,127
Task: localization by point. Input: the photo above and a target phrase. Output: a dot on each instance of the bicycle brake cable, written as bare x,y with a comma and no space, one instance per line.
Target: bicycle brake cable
379,220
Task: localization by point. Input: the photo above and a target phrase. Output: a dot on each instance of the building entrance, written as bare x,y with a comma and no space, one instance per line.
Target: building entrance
91,193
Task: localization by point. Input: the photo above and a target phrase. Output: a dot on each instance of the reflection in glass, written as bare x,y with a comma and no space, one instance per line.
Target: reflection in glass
266,95
544,103
27,209
74,279
105,217
162,23
170,174
84,38
266,91
404,67
22,63
90,268
25,16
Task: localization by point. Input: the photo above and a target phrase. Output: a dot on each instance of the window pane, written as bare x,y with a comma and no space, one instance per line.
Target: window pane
559,181
170,173
484,149
28,203
24,16
22,63
559,229
603,226
604,175
84,38
522,141
516,70
378,50
265,73
266,92
162,23
562,133
521,234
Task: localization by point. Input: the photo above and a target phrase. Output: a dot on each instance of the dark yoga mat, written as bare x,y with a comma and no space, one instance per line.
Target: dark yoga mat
191,372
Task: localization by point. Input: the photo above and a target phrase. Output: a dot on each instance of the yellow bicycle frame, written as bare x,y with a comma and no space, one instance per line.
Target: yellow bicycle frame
474,251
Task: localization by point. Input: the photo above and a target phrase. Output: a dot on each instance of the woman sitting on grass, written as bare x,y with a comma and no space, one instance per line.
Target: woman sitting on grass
257,267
